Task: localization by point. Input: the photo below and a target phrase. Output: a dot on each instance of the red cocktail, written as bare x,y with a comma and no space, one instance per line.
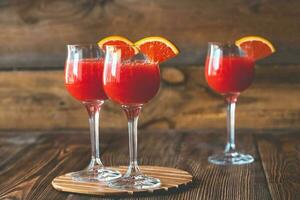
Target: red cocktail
131,78
131,83
229,74
83,79
136,83
229,71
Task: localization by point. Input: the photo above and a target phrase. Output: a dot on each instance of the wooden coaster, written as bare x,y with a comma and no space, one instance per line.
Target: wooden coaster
169,177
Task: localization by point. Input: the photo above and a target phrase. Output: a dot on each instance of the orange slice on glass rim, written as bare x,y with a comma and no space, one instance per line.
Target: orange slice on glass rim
127,47
157,49
256,47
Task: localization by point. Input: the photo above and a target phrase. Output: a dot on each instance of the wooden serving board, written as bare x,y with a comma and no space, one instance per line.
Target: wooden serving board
169,177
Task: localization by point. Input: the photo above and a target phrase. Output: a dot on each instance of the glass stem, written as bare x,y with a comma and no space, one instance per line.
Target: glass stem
132,114
230,146
93,109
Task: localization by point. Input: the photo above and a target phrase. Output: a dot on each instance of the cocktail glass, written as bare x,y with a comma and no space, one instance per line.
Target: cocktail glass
83,80
131,83
228,71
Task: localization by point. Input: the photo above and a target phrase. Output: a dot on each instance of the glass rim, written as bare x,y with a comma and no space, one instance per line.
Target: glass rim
121,45
82,45
96,45
228,43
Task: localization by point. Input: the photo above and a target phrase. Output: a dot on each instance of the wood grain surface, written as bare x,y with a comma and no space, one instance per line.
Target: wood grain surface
33,159
35,32
170,178
281,155
38,100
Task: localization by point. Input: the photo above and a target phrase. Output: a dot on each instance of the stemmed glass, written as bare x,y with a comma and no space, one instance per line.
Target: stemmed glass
131,83
229,71
83,80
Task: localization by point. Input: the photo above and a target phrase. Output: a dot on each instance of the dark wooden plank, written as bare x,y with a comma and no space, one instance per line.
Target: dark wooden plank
13,145
28,173
188,150
222,182
40,101
280,156
29,176
62,152
35,32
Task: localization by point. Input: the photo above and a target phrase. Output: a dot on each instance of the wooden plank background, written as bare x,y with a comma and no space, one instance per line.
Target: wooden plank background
40,101
34,34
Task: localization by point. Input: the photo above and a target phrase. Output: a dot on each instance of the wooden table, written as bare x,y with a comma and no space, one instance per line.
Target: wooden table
30,160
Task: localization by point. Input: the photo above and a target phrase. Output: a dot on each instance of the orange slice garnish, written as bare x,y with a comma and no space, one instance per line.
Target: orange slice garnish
157,49
127,47
255,47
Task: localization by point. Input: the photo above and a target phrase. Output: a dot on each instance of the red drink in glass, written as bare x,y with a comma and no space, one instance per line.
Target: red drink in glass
131,83
135,83
229,74
229,71
84,79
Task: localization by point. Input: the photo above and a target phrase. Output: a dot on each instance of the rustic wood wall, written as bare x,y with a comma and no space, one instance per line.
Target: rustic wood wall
32,51
39,101
34,32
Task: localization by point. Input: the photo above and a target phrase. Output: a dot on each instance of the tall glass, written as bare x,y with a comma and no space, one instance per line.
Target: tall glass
83,80
131,83
228,71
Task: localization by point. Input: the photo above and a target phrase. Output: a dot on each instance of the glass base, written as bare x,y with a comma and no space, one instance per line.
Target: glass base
234,158
138,182
101,175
